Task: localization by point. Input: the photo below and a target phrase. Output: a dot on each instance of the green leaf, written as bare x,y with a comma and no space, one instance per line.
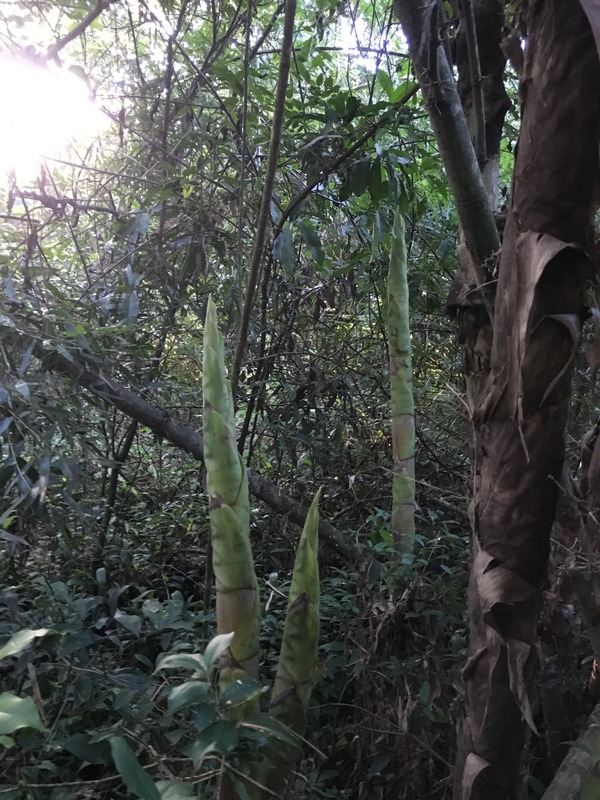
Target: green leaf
205,716
18,712
188,694
384,80
216,647
283,250
312,241
82,746
131,622
7,741
242,690
135,778
163,615
272,727
399,92
357,179
241,790
20,641
220,737
173,790
378,188
191,661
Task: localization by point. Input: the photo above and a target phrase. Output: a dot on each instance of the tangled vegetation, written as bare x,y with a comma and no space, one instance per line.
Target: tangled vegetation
109,252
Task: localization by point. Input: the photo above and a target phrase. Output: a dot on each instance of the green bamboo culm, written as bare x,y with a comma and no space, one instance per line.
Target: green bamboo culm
298,654
401,391
238,604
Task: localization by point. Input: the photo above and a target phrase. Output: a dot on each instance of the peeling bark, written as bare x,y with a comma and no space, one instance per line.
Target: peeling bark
519,426
519,411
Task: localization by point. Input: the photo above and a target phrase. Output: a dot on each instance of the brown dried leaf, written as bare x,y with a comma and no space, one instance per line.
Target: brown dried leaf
592,12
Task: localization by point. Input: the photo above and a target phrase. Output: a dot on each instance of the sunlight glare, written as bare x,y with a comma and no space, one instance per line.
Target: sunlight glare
41,110
352,36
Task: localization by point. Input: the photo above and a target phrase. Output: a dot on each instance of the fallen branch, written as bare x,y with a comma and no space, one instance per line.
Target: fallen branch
187,439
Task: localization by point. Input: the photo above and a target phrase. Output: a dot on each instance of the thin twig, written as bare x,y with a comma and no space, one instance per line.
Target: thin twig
252,54
263,216
476,82
80,28
337,162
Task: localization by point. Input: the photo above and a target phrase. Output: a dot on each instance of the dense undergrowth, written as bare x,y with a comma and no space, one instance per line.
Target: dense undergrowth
381,711
393,634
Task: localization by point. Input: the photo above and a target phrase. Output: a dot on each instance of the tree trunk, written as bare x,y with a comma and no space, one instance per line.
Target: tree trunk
519,426
480,63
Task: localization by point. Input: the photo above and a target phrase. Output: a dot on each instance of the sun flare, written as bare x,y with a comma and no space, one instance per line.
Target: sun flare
41,110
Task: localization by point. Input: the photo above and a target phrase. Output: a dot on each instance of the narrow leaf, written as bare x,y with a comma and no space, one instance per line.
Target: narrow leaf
135,778
20,641
187,694
191,661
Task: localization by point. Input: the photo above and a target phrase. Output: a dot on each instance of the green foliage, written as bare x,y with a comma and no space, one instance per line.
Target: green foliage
118,718
107,260
18,712
134,776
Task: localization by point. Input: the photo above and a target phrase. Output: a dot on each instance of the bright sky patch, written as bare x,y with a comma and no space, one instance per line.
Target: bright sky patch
41,110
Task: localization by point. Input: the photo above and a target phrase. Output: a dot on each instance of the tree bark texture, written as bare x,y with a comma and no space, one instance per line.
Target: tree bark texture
479,87
519,426
421,25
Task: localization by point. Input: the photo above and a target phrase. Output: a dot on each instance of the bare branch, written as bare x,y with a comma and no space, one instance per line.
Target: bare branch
263,215
81,27
453,138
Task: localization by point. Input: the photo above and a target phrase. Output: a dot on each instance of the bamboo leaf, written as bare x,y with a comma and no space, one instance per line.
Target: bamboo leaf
217,645
187,694
192,661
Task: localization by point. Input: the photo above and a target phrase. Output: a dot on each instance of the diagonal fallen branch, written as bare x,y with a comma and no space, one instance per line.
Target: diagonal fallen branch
187,439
